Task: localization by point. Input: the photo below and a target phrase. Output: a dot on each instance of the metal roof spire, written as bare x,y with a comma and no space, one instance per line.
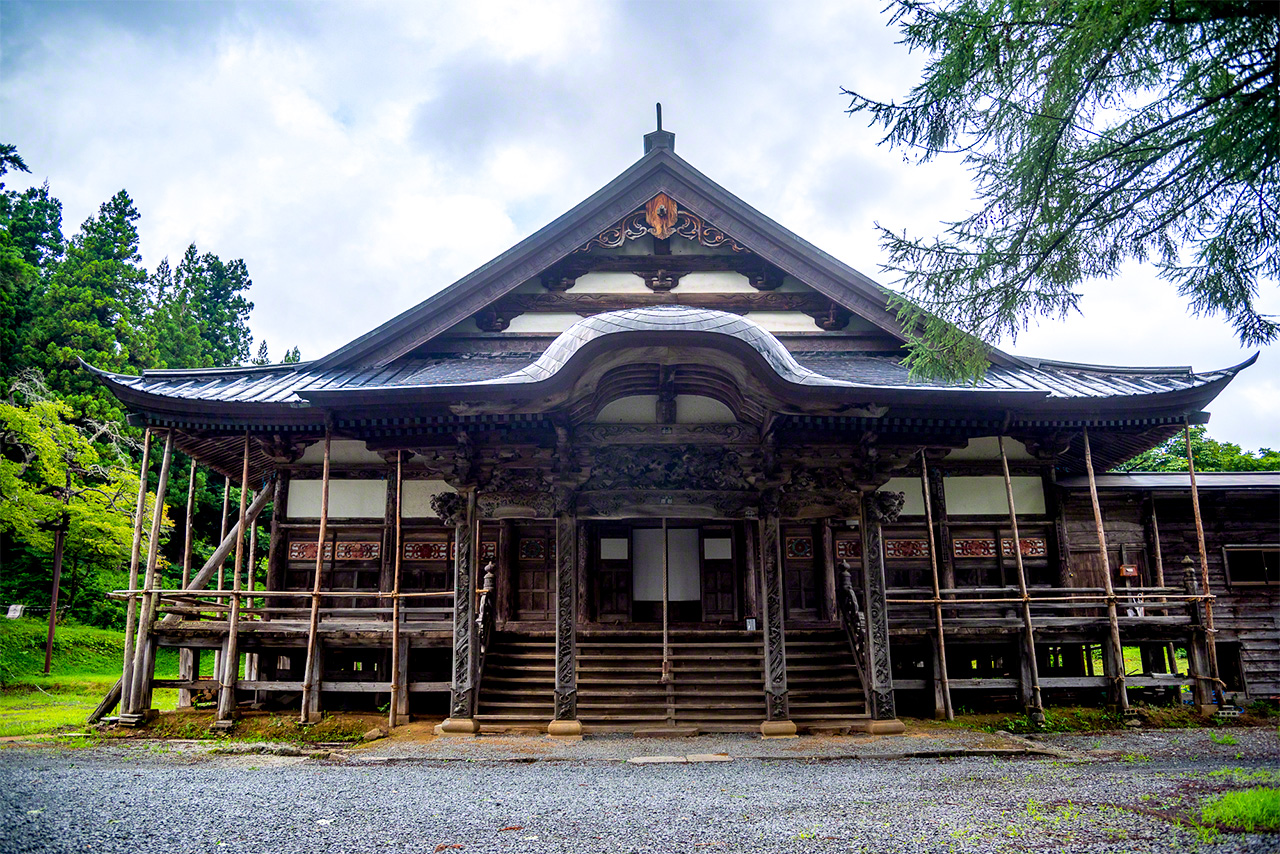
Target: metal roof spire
659,138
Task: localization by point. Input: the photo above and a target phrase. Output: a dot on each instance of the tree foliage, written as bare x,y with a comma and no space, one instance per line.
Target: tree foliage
1097,131
55,472
1209,455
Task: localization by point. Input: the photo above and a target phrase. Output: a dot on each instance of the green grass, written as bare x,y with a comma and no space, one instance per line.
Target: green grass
1249,810
86,663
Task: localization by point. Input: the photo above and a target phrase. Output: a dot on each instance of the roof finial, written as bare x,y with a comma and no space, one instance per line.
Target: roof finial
659,138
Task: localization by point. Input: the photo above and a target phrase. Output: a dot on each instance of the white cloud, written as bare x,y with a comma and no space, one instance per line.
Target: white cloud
361,156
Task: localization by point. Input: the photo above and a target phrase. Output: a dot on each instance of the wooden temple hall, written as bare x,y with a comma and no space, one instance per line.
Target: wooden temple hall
659,465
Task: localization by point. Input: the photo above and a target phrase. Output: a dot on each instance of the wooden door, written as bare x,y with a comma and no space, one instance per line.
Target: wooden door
613,575
800,573
719,576
534,563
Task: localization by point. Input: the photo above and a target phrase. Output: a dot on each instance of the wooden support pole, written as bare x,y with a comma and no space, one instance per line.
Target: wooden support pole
59,536
131,604
231,657
666,595
1211,636
396,713
1030,666
222,531
140,691
311,681
462,688
777,721
223,551
564,723
940,647
1117,649
188,659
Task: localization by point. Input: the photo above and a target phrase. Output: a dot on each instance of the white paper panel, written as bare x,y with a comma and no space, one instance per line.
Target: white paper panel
910,487
720,548
418,495
613,548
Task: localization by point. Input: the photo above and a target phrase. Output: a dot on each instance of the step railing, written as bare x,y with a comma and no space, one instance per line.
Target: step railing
484,622
853,621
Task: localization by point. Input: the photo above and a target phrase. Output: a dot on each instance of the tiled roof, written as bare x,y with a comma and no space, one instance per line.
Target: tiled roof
293,384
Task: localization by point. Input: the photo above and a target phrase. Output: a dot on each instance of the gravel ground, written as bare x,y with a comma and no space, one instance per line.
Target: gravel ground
1103,794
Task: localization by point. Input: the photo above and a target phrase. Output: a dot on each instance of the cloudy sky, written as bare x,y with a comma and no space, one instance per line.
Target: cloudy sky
362,156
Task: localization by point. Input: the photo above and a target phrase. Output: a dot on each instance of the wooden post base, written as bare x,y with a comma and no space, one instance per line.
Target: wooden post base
463,727
893,726
778,729
568,730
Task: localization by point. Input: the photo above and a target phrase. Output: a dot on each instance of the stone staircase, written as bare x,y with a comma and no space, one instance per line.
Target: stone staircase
822,680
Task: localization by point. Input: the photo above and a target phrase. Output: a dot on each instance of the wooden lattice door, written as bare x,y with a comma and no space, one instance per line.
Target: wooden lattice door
800,574
534,564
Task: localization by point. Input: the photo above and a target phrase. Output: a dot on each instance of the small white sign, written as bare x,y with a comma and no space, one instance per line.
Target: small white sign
15,612
751,624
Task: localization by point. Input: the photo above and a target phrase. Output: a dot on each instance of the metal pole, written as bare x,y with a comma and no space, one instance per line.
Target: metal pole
309,686
1029,647
937,593
1117,649
1210,631
130,605
396,675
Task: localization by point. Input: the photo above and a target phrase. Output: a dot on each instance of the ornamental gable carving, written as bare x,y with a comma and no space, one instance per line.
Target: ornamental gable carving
673,467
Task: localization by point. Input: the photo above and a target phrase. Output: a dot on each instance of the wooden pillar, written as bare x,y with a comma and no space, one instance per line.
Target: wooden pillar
462,699
503,576
141,686
879,666
582,586
231,654
1211,633
565,716
1029,671
131,603
830,610
1202,687
1118,693
751,582
942,685
777,721
222,531
275,545
399,711
187,669
310,712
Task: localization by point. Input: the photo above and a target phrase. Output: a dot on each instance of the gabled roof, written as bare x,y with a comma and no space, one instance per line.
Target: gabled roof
660,170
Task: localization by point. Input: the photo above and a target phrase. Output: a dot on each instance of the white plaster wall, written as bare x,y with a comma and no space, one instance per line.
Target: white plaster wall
714,283
348,499
636,409
341,452
552,321
985,496
784,321
416,502
697,409
909,487
988,448
609,283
